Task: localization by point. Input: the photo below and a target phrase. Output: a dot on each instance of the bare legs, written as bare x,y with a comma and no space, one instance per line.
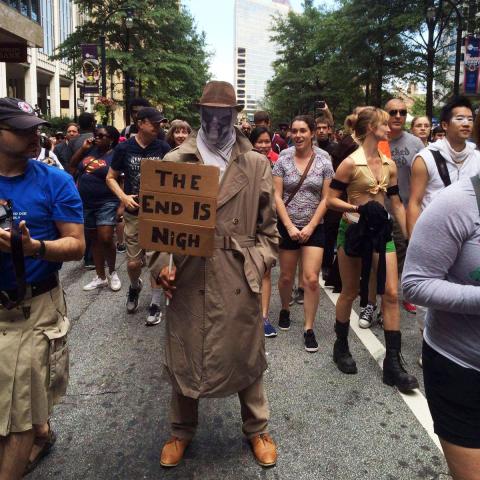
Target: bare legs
103,248
464,463
266,293
311,260
311,263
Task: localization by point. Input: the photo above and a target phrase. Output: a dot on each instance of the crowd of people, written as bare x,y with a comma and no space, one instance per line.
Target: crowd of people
355,206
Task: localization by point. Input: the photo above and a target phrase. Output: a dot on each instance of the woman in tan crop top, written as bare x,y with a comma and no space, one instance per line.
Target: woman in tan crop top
367,175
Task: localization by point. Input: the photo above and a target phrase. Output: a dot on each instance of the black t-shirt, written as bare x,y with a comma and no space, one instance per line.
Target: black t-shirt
92,174
128,156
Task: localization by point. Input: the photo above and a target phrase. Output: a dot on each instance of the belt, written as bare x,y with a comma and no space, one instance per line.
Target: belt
227,242
35,289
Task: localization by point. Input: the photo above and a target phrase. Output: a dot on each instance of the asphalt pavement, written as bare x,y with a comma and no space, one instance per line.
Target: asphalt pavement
327,425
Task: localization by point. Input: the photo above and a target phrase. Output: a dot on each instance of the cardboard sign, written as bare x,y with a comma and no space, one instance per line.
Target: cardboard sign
165,207
180,178
176,238
178,204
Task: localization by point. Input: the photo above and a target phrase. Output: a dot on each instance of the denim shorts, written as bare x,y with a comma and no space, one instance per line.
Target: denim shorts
103,215
317,238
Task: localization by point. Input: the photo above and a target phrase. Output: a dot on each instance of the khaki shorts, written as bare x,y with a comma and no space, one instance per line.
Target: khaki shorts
33,361
134,250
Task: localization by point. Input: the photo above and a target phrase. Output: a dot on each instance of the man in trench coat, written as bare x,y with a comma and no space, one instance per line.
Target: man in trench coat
214,330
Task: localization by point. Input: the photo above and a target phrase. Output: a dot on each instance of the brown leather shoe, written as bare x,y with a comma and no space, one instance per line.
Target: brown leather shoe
172,452
264,450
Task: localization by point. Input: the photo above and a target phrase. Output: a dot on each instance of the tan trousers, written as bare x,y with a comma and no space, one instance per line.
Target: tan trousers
254,411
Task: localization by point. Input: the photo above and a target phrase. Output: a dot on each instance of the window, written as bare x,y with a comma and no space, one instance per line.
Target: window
28,8
47,24
35,11
241,51
65,19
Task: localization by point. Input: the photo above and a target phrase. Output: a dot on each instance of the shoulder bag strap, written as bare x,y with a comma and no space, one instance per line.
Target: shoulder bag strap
441,167
476,186
302,179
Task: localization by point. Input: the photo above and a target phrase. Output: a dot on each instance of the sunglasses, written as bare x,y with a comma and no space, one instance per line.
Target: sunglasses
100,135
394,113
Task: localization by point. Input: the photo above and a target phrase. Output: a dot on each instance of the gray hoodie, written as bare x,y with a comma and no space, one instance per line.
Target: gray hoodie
442,272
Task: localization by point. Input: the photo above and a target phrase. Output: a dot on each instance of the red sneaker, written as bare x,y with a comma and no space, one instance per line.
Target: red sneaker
409,307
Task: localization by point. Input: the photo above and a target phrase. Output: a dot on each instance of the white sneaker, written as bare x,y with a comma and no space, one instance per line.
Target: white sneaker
366,316
97,282
114,281
154,315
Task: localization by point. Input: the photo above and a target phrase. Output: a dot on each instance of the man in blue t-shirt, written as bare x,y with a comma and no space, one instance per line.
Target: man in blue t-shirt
41,226
127,159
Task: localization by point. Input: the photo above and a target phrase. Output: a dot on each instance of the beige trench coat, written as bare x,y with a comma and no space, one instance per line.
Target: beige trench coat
214,331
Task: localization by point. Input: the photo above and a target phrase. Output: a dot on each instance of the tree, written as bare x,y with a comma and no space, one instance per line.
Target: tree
435,20
347,56
162,51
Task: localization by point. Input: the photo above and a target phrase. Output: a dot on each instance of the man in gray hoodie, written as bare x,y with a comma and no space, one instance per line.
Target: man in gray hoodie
441,163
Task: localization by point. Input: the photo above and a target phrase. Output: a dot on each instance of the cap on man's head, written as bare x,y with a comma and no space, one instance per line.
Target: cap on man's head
150,113
18,114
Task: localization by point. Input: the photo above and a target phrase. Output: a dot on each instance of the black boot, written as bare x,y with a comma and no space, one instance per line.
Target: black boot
341,353
394,373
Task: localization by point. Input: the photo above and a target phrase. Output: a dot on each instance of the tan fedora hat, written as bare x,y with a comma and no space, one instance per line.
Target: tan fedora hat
219,94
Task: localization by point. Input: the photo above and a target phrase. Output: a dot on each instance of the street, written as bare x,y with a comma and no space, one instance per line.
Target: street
327,425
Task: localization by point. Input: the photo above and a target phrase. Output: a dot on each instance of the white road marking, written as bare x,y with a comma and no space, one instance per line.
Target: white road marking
415,401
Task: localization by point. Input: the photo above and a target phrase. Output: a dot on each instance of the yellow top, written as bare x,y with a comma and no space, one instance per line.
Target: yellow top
364,180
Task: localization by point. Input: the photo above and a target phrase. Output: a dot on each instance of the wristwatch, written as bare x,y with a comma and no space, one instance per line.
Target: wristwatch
41,251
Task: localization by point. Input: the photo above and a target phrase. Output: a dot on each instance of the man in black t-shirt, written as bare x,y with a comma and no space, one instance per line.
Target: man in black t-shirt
127,158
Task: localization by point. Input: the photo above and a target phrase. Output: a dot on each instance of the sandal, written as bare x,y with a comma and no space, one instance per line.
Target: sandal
46,444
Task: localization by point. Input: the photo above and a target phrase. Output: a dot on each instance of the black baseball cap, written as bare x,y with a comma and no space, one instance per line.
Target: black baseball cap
19,114
151,114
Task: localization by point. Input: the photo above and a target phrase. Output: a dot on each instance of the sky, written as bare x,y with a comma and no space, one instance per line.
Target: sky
215,18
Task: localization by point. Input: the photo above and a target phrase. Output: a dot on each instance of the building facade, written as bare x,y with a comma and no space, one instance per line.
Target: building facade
41,25
254,51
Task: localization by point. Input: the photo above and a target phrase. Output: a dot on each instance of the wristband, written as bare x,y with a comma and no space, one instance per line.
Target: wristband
41,251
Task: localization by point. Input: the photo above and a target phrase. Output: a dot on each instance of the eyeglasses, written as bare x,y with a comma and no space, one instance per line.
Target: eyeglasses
100,135
394,113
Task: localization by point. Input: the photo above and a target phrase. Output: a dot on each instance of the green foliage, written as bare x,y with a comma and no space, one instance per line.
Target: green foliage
418,108
349,56
162,50
58,124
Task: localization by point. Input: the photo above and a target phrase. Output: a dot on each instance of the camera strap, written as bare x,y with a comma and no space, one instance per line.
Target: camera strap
19,267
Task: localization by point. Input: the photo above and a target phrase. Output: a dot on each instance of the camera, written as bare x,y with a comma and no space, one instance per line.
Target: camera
6,216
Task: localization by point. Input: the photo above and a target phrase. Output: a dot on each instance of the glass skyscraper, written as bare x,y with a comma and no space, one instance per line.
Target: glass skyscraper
254,51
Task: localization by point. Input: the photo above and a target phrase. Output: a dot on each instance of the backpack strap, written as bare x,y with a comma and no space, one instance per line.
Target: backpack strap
476,186
441,167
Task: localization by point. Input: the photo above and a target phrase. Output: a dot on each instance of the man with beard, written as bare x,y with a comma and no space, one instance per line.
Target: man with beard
214,330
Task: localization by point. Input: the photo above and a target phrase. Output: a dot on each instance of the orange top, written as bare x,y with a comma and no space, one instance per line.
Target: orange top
384,147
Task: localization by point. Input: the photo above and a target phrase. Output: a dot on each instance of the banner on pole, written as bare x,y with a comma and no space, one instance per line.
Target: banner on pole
178,203
471,65
90,67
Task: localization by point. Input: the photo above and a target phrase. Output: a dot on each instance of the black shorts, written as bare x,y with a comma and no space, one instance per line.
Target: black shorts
317,238
453,395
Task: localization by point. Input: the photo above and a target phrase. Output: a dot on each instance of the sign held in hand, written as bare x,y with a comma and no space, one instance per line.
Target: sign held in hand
178,204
